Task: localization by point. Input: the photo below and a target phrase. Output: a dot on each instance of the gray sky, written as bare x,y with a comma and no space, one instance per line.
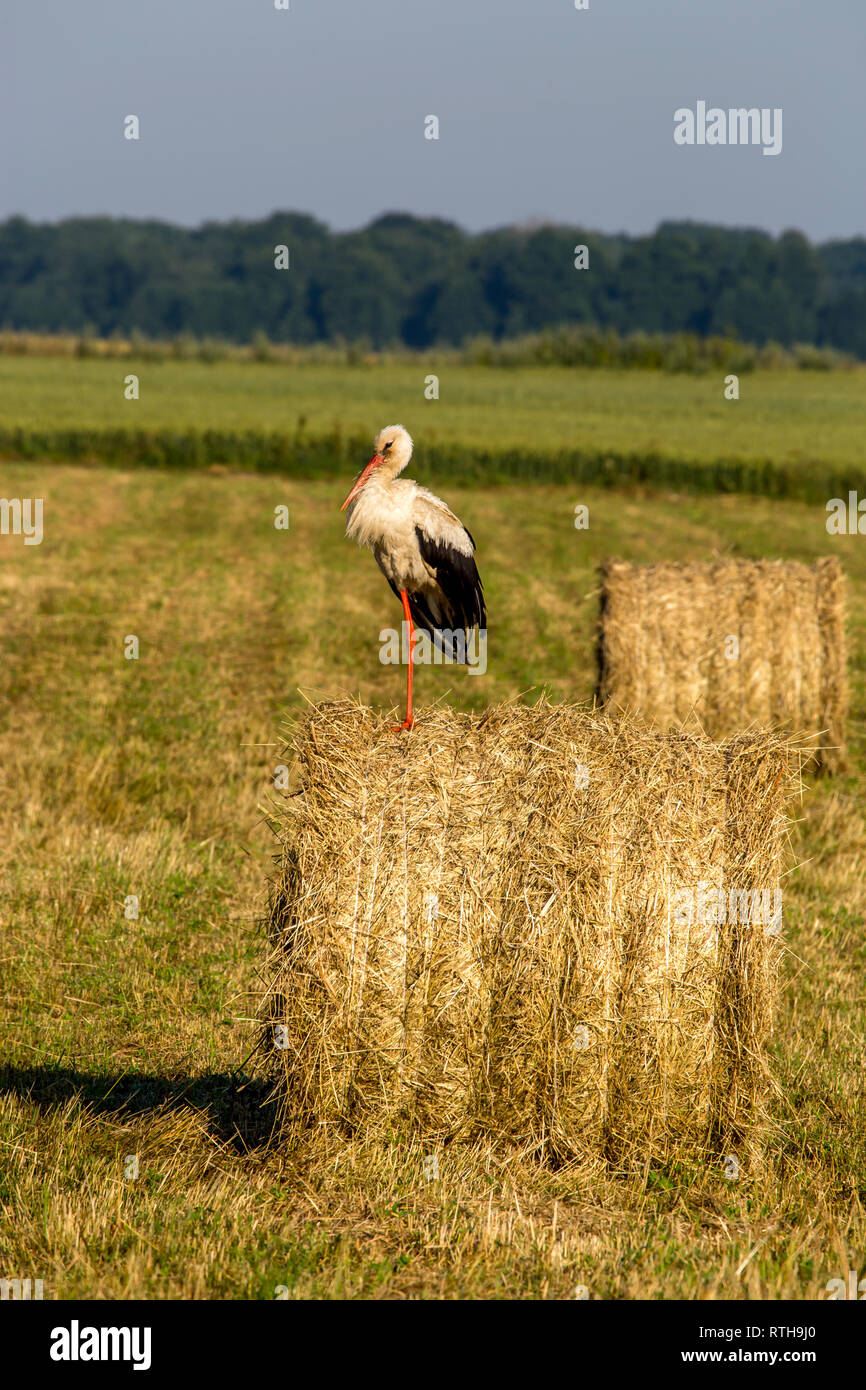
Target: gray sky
546,112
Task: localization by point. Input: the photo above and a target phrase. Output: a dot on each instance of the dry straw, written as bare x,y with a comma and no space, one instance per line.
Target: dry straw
665,647
479,929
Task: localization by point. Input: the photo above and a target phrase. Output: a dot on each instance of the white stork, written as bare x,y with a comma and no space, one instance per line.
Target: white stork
424,551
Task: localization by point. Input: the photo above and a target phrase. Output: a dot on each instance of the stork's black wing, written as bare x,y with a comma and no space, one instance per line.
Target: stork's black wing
456,604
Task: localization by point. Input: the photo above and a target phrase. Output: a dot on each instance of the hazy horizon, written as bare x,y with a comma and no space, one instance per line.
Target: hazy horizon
526,224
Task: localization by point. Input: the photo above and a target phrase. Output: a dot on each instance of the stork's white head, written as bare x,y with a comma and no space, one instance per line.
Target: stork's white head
393,450
394,446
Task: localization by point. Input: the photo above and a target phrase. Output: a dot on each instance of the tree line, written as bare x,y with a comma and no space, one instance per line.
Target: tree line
424,282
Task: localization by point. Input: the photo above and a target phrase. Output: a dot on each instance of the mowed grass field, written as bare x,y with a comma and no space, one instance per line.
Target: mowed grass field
799,419
131,1039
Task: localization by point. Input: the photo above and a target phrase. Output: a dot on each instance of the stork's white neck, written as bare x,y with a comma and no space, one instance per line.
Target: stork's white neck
382,508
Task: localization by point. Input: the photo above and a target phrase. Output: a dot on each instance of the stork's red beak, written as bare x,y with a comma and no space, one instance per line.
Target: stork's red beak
374,463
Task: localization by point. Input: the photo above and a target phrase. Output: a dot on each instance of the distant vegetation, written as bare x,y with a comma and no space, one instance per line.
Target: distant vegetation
575,346
421,283
790,433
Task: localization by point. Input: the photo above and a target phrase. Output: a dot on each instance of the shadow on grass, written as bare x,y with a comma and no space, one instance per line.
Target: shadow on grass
237,1110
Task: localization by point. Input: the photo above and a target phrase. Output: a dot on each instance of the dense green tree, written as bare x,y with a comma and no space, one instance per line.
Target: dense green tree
424,281
842,324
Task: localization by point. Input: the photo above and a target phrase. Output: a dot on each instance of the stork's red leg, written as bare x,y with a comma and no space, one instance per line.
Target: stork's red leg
408,721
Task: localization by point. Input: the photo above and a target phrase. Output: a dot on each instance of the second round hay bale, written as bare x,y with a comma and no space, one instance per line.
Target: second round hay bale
478,929
667,646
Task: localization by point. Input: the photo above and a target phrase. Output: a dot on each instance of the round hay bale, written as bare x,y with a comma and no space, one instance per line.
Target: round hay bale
489,927
665,646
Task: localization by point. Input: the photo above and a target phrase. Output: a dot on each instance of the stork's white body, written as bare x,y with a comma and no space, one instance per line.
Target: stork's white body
384,517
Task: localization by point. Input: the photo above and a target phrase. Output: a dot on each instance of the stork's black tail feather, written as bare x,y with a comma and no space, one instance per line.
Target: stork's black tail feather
450,615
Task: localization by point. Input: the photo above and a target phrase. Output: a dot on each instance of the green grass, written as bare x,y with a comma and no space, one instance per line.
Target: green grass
790,433
131,1037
